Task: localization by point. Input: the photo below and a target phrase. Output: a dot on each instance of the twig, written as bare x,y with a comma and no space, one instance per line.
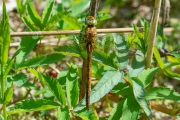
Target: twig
75,32
70,32
152,33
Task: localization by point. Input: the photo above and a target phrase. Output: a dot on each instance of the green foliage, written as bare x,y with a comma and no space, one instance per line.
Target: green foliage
42,60
55,88
106,83
72,89
63,113
110,60
32,105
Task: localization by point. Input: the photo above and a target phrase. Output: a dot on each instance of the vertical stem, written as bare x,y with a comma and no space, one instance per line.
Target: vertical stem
152,33
3,90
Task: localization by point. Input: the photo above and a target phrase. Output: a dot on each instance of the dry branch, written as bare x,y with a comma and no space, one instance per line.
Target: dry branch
74,32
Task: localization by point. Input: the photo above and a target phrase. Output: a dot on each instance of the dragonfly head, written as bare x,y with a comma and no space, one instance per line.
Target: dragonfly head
91,21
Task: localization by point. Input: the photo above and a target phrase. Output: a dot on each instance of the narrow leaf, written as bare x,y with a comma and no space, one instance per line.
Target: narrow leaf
55,88
72,22
103,59
121,51
137,65
47,12
71,50
19,79
42,60
158,58
4,36
80,7
63,113
130,109
106,83
87,115
116,112
29,23
162,93
139,94
72,88
33,15
146,76
32,105
27,43
8,95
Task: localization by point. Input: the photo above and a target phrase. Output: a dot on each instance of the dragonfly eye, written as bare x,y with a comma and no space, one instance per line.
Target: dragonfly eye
91,21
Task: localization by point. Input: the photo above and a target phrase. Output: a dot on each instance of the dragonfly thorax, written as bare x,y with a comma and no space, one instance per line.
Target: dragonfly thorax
91,21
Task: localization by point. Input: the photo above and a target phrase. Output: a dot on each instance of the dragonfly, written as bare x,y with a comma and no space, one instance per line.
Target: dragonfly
89,40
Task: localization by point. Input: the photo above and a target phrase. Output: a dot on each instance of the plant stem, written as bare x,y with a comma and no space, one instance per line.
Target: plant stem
3,90
152,33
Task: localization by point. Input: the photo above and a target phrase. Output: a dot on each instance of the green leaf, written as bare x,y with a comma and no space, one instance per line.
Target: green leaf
20,7
176,54
163,67
55,88
116,112
19,79
139,94
71,50
4,36
162,93
8,95
130,109
63,113
137,65
32,105
29,23
80,7
33,15
121,50
27,43
72,22
47,12
146,76
55,19
72,88
122,89
1,117
42,60
106,83
87,115
8,68
103,58
158,58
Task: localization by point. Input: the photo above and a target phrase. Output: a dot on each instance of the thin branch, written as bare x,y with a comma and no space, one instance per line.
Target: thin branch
75,32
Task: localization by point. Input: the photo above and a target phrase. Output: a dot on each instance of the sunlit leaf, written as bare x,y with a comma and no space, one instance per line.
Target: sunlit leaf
130,109
80,7
47,12
121,50
8,95
32,105
116,112
55,88
139,94
63,113
106,83
27,43
162,93
137,65
72,88
42,60
87,115
33,15
146,76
